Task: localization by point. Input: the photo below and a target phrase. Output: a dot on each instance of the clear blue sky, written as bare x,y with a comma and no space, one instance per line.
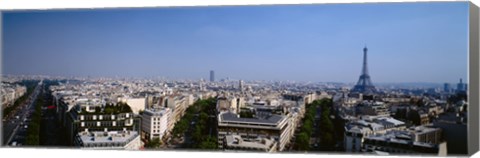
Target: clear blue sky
408,42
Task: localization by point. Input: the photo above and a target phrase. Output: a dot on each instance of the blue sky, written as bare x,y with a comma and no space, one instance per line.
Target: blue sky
408,42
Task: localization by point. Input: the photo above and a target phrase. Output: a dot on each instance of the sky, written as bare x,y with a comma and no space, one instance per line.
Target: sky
407,42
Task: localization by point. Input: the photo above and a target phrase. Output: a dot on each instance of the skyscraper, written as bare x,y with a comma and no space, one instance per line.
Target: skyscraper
461,86
212,76
364,84
447,88
240,85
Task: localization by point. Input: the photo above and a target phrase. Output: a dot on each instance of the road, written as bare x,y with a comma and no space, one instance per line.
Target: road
13,128
51,132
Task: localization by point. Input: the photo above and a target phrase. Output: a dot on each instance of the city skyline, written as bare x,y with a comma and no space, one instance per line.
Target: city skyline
421,42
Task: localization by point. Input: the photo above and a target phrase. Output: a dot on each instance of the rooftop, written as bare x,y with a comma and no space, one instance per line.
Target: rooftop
371,123
423,129
107,137
107,109
237,141
390,120
271,119
400,137
156,111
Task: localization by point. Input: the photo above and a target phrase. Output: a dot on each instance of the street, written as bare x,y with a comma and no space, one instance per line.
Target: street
14,130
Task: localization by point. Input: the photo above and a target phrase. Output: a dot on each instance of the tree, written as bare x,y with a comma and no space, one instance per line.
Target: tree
197,134
327,141
155,143
209,143
203,116
246,114
180,127
307,127
303,141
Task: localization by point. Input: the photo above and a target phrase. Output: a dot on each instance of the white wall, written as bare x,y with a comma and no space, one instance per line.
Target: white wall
136,104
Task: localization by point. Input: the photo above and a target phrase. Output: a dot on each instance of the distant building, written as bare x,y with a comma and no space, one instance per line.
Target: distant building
230,104
447,88
418,117
177,104
461,87
222,104
155,122
241,85
372,108
137,104
9,93
212,76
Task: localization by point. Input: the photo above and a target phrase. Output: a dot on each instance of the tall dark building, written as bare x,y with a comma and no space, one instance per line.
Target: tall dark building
447,88
212,76
364,84
461,87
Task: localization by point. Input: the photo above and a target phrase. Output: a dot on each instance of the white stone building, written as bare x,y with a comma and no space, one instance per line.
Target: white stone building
155,122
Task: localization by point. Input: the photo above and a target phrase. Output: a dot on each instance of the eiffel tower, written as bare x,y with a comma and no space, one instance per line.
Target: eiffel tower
364,84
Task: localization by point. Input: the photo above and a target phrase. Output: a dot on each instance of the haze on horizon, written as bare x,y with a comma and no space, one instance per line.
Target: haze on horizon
407,42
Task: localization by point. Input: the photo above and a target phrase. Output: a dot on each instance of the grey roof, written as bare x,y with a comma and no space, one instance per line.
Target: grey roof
237,141
231,117
99,137
156,111
390,120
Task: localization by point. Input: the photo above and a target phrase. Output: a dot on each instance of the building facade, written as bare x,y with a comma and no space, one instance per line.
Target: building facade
128,140
357,130
276,127
155,122
402,142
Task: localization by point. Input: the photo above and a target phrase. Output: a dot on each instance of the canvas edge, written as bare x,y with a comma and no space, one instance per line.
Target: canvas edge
1,75
473,88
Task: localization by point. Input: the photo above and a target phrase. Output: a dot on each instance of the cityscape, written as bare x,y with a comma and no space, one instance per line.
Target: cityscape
171,96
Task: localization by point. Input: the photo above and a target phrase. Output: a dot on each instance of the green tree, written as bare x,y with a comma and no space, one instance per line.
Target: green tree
327,141
308,127
209,143
155,143
303,141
